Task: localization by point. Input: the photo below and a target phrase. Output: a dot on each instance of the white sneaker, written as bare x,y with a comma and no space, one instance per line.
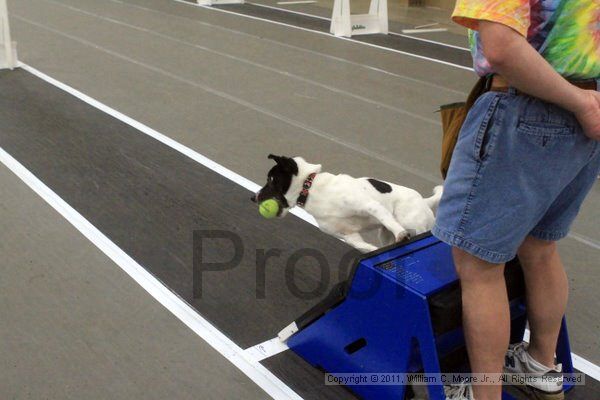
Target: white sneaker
518,361
462,391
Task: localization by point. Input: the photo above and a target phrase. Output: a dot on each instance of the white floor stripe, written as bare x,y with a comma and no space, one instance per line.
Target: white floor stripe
297,2
452,46
328,34
296,48
199,158
585,240
394,162
391,33
581,364
431,30
186,314
411,54
287,10
427,25
266,349
252,63
585,366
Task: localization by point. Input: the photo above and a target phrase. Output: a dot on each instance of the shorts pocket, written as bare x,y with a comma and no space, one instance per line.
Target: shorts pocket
483,140
545,134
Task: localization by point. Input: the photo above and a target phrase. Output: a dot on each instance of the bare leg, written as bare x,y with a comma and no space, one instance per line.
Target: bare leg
547,294
486,318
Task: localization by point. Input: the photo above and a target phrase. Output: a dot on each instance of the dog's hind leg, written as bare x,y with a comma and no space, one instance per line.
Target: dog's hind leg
356,240
385,237
386,219
353,239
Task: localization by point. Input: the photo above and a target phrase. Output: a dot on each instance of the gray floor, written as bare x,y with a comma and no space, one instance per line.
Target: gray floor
400,17
72,321
236,89
393,42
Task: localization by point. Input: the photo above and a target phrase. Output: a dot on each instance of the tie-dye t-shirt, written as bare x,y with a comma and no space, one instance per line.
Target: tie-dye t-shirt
565,32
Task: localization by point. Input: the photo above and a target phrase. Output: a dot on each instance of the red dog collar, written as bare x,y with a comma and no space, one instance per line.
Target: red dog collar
303,196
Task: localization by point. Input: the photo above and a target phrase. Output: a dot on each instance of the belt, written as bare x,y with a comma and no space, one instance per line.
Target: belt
497,83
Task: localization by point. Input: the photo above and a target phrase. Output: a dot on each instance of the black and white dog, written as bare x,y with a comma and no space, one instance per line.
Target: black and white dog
346,207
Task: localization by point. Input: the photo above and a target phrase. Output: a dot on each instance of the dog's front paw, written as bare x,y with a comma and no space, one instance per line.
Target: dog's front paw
402,236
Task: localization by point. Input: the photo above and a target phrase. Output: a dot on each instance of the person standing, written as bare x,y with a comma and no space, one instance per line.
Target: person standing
527,155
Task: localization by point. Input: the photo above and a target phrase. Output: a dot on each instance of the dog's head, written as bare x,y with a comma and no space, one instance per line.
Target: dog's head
279,180
284,181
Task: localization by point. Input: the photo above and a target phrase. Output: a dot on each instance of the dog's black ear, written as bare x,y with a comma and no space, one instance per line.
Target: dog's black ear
286,163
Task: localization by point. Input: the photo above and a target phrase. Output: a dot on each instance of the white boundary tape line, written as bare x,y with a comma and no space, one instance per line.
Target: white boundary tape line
289,11
435,60
297,48
199,158
247,62
585,366
267,349
301,49
244,103
391,33
585,240
186,314
430,30
580,363
297,2
427,25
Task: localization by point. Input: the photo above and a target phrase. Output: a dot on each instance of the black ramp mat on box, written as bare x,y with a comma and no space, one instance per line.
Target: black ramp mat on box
148,199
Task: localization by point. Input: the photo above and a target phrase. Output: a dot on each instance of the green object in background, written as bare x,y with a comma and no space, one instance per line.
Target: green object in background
269,208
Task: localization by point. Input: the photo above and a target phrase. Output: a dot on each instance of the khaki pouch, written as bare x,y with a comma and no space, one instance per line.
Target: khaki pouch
453,117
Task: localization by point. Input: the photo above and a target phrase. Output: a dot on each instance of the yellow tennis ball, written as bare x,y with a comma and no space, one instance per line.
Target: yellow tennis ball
269,208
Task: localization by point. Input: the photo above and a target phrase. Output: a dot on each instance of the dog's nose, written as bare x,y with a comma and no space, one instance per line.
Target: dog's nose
253,198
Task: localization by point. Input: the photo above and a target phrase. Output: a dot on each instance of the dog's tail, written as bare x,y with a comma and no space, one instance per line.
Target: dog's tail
433,201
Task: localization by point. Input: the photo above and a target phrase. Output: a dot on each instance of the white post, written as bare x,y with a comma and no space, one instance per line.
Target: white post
379,8
8,59
343,23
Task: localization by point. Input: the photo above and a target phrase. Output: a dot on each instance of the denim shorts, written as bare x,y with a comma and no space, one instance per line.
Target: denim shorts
521,167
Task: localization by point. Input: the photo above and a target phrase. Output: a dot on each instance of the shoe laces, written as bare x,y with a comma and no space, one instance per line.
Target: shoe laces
520,351
458,392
